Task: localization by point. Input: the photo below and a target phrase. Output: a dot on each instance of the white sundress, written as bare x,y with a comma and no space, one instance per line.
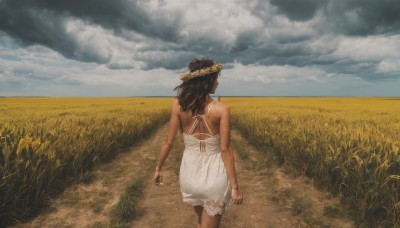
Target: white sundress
203,178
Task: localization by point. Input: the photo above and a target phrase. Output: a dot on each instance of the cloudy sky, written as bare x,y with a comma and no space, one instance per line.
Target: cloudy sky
139,47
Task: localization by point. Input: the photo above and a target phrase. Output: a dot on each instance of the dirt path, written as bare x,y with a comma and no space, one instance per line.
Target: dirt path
89,205
163,205
267,200
263,205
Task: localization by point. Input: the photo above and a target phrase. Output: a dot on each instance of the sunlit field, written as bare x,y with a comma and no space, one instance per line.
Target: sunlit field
47,143
348,145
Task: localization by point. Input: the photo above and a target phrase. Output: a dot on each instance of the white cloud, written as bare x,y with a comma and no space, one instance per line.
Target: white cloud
273,74
368,48
39,66
386,66
219,23
92,40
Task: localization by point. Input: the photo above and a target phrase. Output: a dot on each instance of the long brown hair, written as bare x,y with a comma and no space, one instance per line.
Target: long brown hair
192,94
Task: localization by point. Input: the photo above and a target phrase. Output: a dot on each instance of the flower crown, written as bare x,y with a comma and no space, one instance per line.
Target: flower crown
202,72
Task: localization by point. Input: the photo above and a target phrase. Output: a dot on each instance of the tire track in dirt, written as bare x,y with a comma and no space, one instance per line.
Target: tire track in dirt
257,210
162,205
264,185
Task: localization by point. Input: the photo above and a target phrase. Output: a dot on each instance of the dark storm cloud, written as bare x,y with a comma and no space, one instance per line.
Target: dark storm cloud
351,17
37,26
299,9
115,15
364,17
246,41
43,22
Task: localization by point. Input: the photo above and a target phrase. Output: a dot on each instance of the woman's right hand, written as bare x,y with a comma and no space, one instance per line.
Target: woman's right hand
237,197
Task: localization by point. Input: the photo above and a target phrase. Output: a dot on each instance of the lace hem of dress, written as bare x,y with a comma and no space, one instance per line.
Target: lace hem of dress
212,207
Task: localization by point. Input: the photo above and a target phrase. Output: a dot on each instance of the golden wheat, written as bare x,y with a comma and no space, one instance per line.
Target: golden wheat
351,146
45,143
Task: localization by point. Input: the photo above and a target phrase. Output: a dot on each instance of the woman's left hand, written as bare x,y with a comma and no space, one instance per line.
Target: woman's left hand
237,197
157,179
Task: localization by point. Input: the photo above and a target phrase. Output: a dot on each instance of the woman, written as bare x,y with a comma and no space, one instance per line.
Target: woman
207,173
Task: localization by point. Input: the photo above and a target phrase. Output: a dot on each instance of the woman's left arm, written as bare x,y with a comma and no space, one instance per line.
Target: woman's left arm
167,145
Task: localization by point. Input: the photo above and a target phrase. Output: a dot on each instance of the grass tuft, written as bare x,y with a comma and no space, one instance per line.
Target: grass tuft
127,209
332,211
301,204
240,149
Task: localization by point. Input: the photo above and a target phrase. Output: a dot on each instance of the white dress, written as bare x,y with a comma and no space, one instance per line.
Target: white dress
203,178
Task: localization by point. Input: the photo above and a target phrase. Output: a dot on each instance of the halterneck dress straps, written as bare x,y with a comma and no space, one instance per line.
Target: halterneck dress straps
201,117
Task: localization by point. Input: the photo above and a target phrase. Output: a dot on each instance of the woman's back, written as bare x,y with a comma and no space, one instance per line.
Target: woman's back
204,124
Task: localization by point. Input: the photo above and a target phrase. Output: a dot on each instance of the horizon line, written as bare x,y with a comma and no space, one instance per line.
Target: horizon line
150,96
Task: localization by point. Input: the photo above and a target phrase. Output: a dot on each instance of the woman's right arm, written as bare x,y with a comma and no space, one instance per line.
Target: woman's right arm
227,154
167,145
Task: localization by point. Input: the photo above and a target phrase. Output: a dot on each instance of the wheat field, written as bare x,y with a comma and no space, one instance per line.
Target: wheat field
350,146
48,143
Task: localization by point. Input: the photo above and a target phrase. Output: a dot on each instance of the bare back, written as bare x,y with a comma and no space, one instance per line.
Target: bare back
217,118
203,125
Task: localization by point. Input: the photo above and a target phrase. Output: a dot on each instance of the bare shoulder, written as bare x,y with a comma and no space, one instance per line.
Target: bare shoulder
220,105
176,107
221,108
175,102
